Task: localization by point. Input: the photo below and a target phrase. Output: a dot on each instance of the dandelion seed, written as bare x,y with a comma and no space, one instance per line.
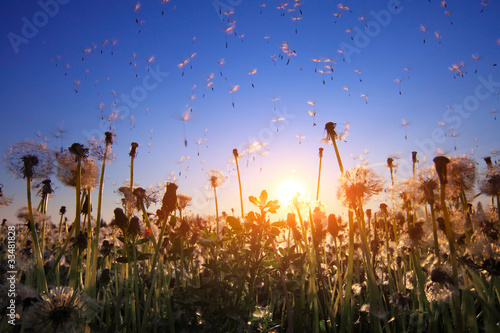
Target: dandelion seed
424,30
252,73
365,96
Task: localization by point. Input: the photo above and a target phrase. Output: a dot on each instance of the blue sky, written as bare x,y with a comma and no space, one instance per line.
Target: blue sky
40,95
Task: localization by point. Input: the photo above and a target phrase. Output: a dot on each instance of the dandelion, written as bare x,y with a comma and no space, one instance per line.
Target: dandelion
62,309
332,135
490,182
358,185
67,171
441,163
236,156
216,179
169,201
462,174
30,159
319,172
4,201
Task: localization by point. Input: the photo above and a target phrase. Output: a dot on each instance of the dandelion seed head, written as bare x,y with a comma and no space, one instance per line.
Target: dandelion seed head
62,309
358,185
216,178
30,159
67,171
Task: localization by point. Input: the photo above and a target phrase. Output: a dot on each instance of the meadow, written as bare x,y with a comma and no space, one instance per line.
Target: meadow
427,260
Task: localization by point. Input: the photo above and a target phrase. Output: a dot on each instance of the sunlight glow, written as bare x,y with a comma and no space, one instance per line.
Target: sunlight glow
288,189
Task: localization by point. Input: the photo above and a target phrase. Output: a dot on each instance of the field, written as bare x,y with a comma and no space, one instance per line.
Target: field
428,264
250,166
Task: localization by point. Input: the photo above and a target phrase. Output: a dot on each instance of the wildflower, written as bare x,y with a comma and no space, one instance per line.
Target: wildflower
216,178
134,227
30,159
106,248
128,199
100,153
462,171
440,163
183,200
169,199
4,201
414,157
437,292
357,186
490,183
401,302
290,220
81,241
332,135
67,170
23,215
62,309
120,219
492,266
333,225
141,194
133,149
416,233
440,276
79,151
428,186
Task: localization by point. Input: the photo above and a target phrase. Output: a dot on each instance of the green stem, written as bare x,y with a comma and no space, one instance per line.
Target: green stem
40,281
91,287
319,176
216,212
346,321
74,274
338,156
453,258
435,232
239,184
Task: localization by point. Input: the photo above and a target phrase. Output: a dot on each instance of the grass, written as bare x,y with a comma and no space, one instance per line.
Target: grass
396,270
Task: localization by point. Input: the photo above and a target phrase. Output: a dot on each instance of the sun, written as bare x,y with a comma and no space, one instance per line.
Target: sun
288,189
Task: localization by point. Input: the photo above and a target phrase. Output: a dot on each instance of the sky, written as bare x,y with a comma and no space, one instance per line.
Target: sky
175,77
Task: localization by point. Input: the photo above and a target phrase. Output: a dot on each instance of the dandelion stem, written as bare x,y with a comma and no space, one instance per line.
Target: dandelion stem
338,156
235,153
40,281
91,292
216,212
74,274
453,257
345,323
319,172
434,232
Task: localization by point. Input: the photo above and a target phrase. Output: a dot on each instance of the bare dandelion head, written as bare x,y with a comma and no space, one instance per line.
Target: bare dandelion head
101,149
79,151
133,149
441,163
